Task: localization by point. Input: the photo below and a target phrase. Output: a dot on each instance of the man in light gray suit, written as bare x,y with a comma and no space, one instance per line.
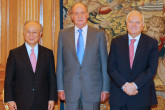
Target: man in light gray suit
82,63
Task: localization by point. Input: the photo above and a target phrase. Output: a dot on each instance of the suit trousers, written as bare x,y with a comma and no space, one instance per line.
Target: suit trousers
81,104
127,107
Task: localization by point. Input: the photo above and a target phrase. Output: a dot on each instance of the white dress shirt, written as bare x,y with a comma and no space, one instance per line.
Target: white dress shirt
84,33
28,48
135,43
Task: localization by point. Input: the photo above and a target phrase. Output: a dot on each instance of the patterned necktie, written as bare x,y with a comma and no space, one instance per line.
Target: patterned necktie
131,52
80,46
33,60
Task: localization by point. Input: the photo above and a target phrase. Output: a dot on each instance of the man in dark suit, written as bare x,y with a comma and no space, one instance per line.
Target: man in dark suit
30,81
132,64
82,77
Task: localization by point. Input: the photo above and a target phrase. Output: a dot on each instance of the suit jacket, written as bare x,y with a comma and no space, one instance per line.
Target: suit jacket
90,78
142,72
22,85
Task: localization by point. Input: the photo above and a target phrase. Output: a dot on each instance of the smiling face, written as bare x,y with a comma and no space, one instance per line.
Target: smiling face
79,15
32,33
135,24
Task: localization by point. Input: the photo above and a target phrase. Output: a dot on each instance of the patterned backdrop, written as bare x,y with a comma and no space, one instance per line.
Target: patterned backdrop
110,16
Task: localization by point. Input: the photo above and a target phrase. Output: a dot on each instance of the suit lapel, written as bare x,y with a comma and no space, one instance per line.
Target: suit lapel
40,57
26,58
89,40
88,43
72,43
139,49
126,47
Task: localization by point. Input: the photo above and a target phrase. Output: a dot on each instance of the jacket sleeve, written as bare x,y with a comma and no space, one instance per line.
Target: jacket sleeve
9,78
104,55
60,63
112,67
52,79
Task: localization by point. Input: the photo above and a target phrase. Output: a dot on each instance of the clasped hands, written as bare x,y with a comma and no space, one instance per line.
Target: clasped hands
130,89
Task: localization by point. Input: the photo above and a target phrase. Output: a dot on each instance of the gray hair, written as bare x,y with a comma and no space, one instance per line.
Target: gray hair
77,4
134,12
32,21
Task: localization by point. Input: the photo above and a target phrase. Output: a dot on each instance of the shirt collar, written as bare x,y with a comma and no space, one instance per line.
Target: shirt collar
137,37
29,48
84,29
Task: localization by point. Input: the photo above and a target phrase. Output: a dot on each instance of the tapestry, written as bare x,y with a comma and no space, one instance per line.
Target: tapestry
110,16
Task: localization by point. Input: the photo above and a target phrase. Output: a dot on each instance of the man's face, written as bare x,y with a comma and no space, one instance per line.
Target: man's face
135,24
79,15
32,33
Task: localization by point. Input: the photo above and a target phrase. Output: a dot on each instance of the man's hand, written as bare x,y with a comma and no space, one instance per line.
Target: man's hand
130,89
104,96
50,105
61,95
12,105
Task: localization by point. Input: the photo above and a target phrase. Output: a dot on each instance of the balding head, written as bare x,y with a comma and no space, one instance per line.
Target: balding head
34,22
79,4
79,15
135,13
